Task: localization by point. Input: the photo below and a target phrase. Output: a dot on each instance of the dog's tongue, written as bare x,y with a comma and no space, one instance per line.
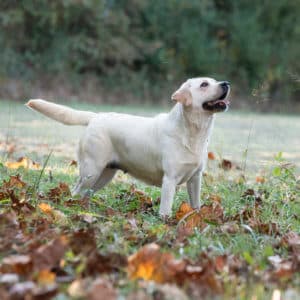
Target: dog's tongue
225,101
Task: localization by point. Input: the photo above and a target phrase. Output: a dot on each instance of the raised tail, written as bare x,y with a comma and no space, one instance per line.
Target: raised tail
61,113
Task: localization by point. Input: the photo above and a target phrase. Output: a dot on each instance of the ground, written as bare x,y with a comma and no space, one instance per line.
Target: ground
244,243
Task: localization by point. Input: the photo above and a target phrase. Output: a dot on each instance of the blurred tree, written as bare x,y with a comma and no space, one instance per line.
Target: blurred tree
253,43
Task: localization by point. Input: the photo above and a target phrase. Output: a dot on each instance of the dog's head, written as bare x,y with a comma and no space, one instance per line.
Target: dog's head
204,93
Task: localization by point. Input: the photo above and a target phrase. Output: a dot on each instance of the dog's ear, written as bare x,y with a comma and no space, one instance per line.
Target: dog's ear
183,94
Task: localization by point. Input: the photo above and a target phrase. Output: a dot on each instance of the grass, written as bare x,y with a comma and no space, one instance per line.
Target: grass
247,139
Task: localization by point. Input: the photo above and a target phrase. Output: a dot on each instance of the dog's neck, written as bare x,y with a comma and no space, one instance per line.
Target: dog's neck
195,126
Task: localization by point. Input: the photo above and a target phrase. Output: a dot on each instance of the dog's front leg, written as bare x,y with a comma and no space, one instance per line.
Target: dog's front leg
193,188
167,196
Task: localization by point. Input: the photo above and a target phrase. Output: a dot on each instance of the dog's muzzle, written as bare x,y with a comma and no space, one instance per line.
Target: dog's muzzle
220,104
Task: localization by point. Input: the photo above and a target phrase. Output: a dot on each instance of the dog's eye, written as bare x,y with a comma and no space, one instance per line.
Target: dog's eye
204,84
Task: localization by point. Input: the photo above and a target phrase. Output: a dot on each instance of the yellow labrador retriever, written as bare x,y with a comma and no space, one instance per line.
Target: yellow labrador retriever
166,150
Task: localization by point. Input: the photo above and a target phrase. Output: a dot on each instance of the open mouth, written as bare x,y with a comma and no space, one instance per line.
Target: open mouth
218,105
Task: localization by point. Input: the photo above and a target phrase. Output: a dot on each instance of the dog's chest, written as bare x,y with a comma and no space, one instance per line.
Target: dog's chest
187,165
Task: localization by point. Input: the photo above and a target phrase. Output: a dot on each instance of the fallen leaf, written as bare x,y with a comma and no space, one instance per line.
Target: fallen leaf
9,279
252,193
216,198
183,210
101,289
170,291
19,264
208,214
149,263
23,162
56,194
21,206
145,200
226,164
46,277
82,202
59,217
22,290
78,288
14,182
45,292
45,208
260,179
83,241
97,263
270,228
230,227
292,240
73,163
283,271
211,156
9,230
48,256
220,263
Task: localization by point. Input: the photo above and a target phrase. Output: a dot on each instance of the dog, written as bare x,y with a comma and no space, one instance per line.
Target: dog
166,150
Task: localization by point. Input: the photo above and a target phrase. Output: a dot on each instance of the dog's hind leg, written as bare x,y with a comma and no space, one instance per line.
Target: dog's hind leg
94,153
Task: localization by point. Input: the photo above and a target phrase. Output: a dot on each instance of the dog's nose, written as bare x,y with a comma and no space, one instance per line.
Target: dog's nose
225,83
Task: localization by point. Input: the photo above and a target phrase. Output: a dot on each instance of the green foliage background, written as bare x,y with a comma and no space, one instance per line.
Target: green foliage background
154,43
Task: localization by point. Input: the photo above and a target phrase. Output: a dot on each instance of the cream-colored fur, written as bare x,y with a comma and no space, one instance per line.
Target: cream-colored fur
166,150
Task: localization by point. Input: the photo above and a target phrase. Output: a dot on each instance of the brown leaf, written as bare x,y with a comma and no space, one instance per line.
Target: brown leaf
48,256
284,271
73,163
133,194
21,206
230,227
270,228
46,277
226,164
255,194
101,289
292,240
215,197
98,263
220,263
149,263
145,200
20,264
56,194
211,156
212,213
78,288
9,230
260,179
83,241
183,210
83,202
14,182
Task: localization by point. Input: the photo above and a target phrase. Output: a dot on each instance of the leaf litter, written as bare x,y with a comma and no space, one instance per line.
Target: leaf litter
47,251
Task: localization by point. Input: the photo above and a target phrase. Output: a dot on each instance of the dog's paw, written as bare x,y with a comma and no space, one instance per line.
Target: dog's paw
168,219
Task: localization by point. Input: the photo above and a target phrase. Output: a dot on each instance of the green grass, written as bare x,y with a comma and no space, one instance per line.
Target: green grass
262,136
249,139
